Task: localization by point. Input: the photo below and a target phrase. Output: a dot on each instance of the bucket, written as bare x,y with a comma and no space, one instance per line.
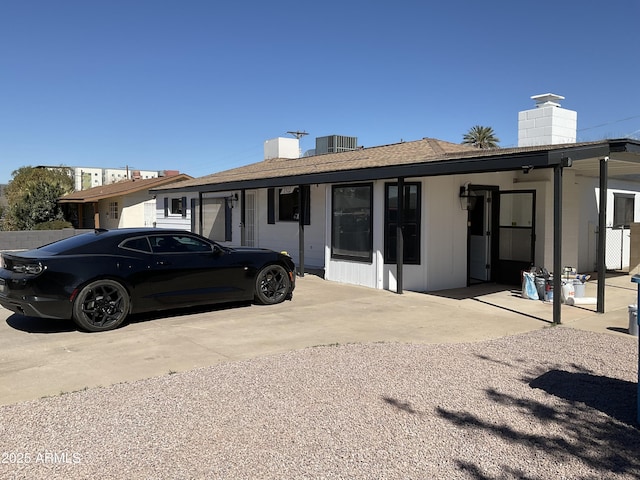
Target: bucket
633,320
567,291
578,289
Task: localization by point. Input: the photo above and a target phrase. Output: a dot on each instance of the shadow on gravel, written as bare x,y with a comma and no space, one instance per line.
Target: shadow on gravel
605,443
616,398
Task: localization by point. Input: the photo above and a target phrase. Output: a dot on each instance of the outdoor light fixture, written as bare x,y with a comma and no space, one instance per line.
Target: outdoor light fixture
467,198
233,199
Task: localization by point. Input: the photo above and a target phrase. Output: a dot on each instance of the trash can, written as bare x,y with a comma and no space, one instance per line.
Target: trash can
578,289
633,320
541,283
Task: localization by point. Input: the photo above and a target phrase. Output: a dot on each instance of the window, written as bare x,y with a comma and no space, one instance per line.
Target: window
176,206
178,244
140,244
285,202
623,207
288,205
113,210
352,222
410,223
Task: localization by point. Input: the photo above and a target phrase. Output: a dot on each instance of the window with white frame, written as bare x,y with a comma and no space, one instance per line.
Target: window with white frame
113,210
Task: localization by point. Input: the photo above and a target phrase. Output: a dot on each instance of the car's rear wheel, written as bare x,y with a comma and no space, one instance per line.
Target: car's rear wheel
272,284
101,305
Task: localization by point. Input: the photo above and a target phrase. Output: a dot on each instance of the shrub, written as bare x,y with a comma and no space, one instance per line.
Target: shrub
53,225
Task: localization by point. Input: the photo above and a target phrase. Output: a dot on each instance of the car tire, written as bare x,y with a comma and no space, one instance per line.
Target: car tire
272,285
101,305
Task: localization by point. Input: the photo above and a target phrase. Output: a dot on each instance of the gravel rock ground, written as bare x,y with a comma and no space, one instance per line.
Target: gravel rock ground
554,403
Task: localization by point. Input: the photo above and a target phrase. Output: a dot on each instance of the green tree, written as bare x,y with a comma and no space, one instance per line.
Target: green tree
32,195
481,137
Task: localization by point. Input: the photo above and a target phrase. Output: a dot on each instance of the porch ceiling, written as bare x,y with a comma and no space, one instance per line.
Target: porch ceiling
622,165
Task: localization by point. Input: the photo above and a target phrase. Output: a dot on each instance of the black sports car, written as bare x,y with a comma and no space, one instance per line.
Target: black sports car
99,278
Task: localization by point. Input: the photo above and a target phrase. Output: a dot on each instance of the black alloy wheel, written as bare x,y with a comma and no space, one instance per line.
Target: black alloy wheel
101,305
272,285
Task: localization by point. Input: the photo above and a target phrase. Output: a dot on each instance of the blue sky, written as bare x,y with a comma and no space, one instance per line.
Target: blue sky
198,86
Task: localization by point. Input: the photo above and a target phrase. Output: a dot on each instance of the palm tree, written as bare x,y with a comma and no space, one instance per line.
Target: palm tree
481,137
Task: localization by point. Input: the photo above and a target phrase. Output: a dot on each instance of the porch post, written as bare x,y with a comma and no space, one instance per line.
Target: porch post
80,215
302,208
96,215
243,217
399,236
200,213
557,243
602,232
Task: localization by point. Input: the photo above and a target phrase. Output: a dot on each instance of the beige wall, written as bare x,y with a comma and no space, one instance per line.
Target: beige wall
634,261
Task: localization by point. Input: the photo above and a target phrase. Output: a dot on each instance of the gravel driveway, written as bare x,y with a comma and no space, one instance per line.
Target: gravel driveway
553,403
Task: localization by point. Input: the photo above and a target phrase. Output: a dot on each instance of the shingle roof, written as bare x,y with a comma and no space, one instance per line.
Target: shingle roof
406,155
399,153
121,188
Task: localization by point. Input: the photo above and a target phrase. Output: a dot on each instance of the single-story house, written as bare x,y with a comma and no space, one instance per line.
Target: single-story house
127,203
425,215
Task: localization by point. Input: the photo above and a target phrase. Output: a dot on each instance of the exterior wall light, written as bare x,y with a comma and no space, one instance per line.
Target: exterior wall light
467,198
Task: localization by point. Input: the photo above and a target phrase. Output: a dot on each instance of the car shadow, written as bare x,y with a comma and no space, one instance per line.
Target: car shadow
49,325
182,312
40,325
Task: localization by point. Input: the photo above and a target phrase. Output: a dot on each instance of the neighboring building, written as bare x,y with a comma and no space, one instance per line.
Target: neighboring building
127,203
90,177
466,215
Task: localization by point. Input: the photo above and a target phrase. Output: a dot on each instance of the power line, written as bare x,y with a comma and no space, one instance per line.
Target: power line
609,123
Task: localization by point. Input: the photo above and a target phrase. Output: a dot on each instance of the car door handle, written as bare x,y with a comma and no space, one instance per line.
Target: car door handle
163,262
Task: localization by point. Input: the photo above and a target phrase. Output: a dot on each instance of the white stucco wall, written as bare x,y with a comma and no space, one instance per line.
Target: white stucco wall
284,235
589,192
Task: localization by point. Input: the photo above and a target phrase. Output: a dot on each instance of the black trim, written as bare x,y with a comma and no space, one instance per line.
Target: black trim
166,207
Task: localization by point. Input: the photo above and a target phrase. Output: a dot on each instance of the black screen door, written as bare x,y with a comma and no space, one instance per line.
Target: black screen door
516,235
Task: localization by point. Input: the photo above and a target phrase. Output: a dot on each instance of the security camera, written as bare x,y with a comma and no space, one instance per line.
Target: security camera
527,168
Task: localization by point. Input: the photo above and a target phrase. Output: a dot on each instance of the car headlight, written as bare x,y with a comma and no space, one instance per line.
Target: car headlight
29,268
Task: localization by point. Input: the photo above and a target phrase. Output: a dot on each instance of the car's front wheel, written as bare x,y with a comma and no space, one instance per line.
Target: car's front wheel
272,285
101,305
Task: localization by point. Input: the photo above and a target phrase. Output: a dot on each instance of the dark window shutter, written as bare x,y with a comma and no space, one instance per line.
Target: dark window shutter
166,207
193,214
271,205
184,207
306,198
227,220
